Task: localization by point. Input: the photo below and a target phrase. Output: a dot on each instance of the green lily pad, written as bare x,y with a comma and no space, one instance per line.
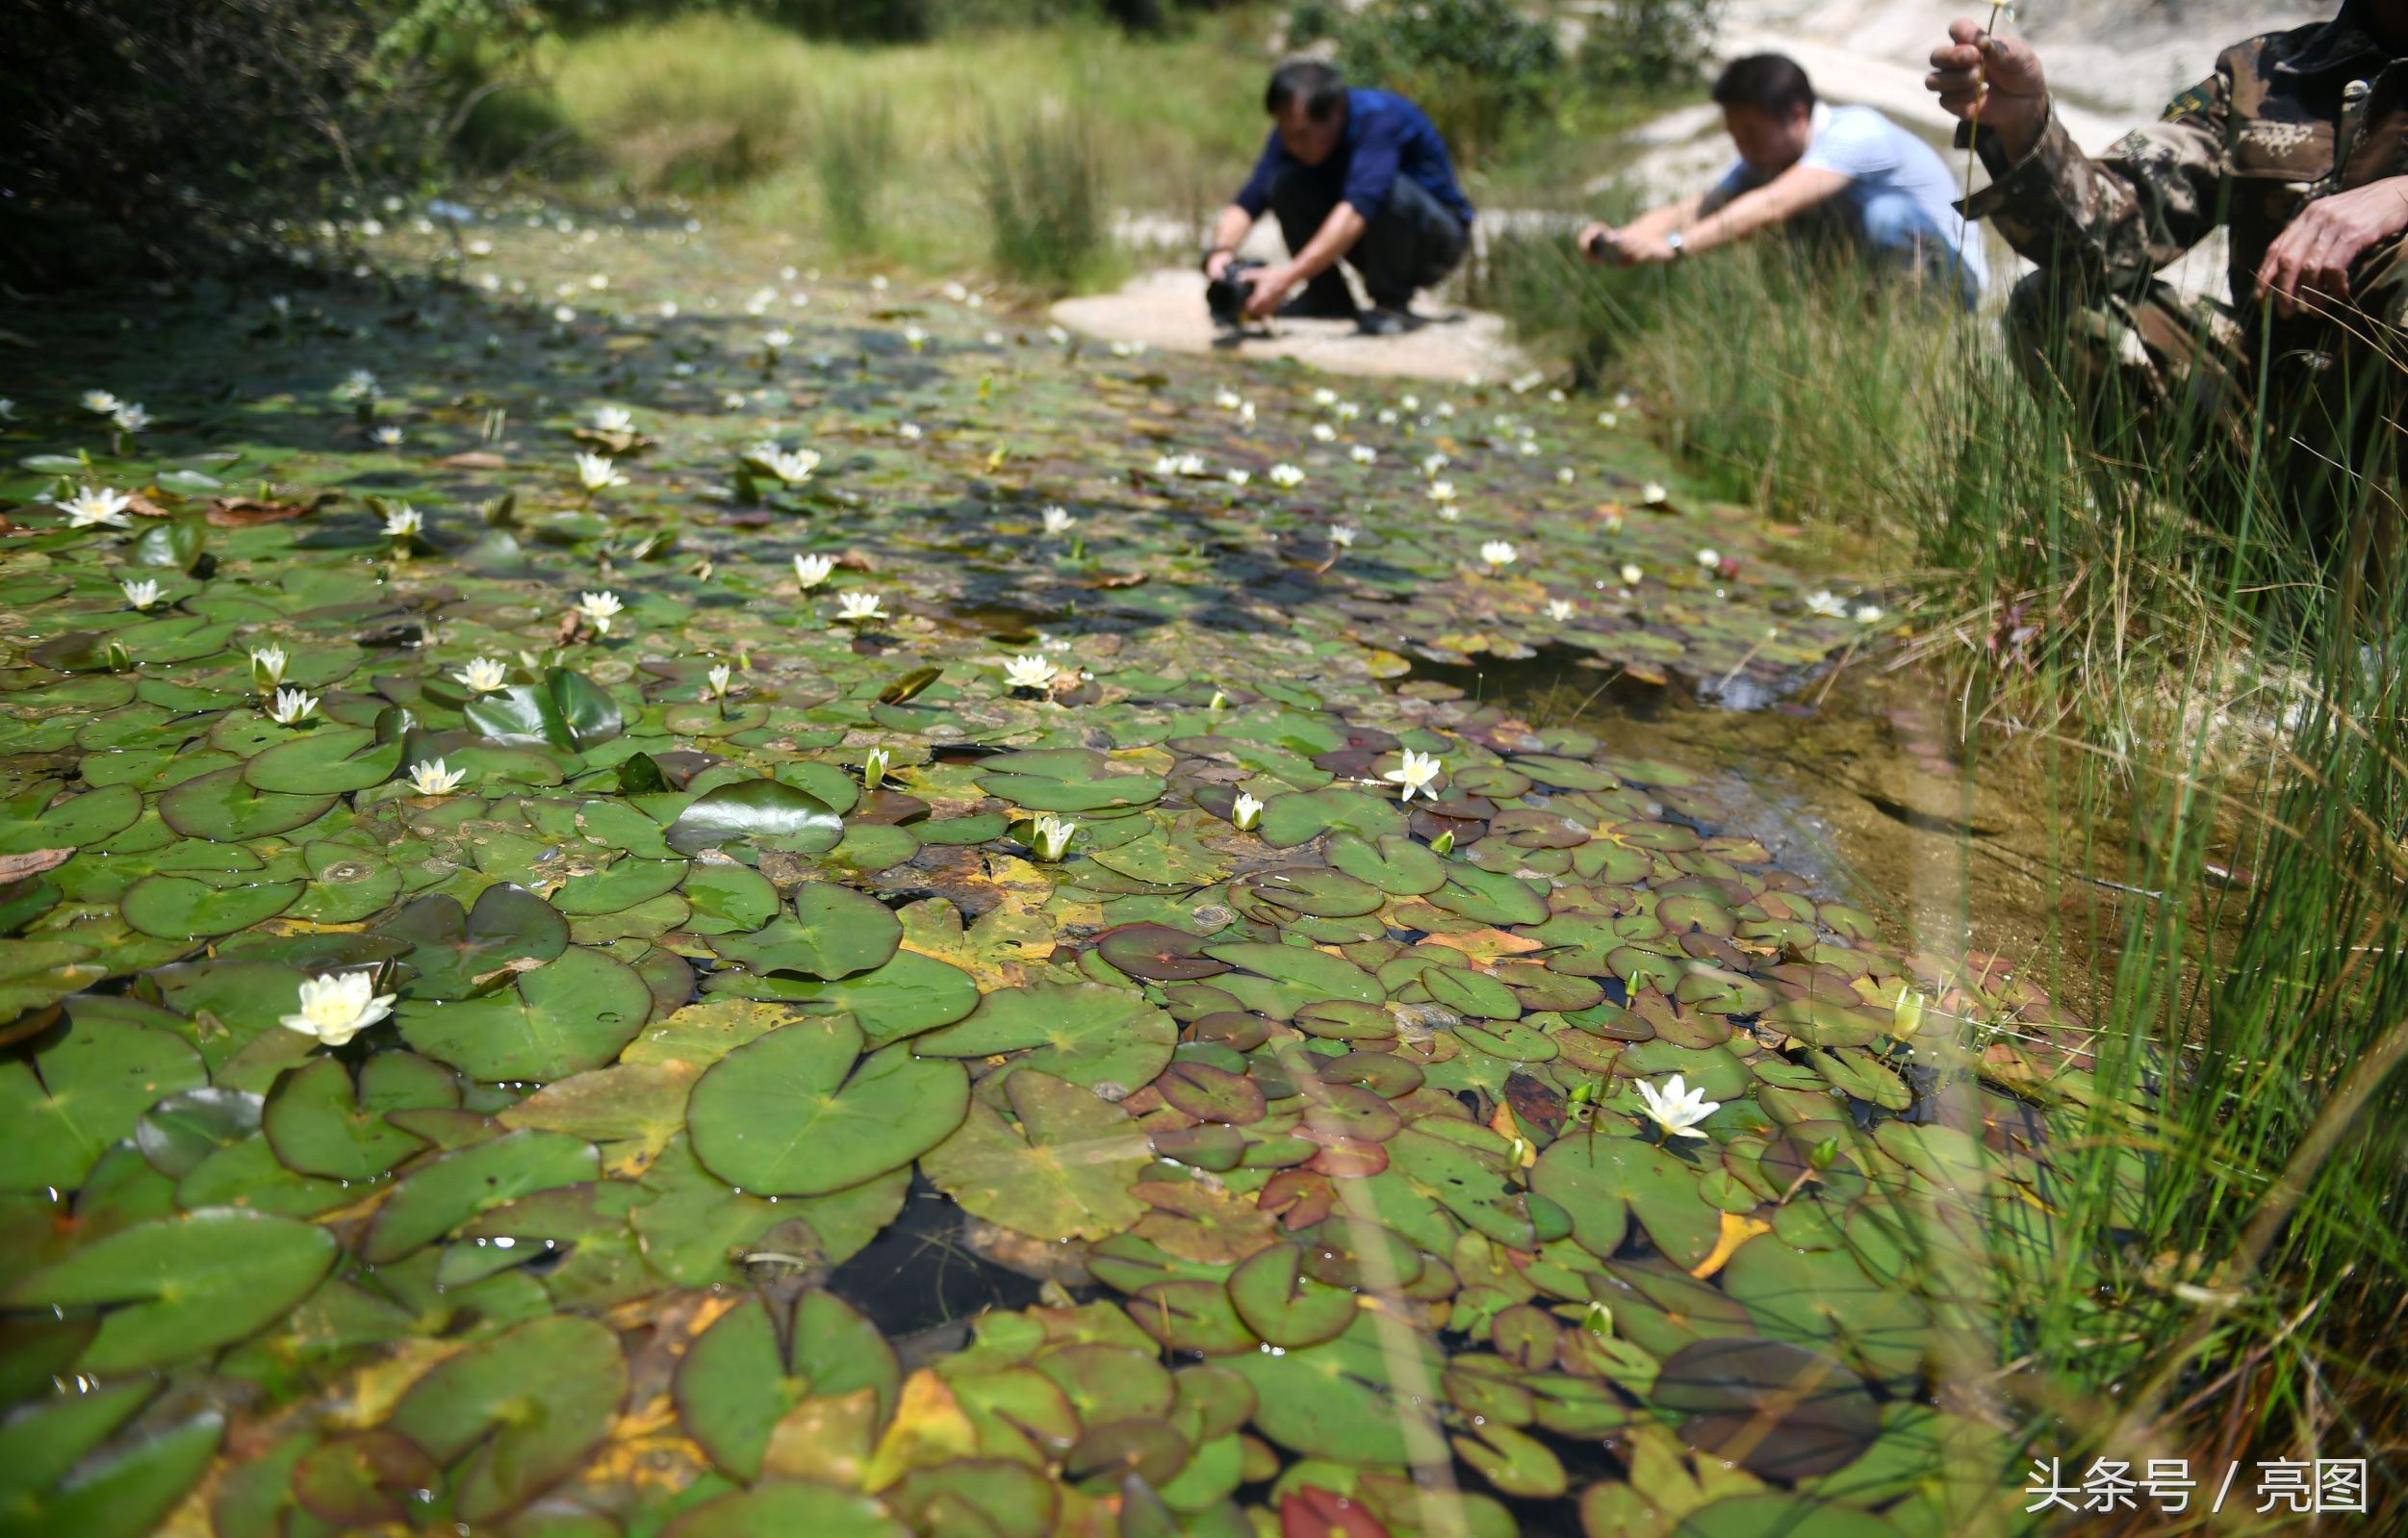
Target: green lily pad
522,1409
177,907
320,1123
802,1112
1087,1033
223,806
80,1092
1355,1400
178,1288
1604,1180
457,953
1063,1172
562,1017
1285,1307
788,1506
329,758
834,933
441,1194
567,709
29,821
766,813
910,994
127,1493
756,1362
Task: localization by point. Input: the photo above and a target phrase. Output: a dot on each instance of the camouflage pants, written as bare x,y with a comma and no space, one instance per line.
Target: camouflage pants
2154,378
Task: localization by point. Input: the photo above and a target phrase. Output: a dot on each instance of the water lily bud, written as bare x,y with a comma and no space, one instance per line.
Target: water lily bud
118,658
1218,701
873,768
1825,1154
1599,1321
1247,813
1444,843
1905,1016
1050,838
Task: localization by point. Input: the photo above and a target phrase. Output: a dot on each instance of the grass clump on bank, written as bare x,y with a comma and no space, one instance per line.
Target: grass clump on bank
2217,695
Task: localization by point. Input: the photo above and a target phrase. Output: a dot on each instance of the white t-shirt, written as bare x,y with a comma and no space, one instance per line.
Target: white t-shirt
1877,156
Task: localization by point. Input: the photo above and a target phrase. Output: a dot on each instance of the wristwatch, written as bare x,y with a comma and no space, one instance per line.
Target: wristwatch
1675,243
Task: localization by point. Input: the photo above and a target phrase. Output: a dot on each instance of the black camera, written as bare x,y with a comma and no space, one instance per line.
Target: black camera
1226,295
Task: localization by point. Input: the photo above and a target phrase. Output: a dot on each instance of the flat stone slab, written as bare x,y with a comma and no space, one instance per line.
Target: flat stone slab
1165,308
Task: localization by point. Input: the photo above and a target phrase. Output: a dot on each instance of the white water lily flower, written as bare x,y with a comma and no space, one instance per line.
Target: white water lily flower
1653,494
1228,400
1348,411
1559,609
1245,812
1564,474
1363,454
1499,553
1325,433
720,680
1052,837
914,338
385,437
1441,491
94,506
267,666
404,523
143,594
1031,672
130,419
775,338
484,675
1240,477
338,1005
858,608
100,402
1607,419
1632,576
1827,603
8,409
1709,558
1415,773
810,571
1285,475
599,609
1434,461
1324,397
791,468
1676,1108
908,432
1245,414
429,777
596,472
613,418
290,706
1344,535
1868,614
1058,521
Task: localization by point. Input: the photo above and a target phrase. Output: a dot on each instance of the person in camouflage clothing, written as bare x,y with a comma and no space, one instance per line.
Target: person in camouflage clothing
2297,146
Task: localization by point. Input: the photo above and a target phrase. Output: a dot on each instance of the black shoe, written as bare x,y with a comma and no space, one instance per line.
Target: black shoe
1312,306
1387,321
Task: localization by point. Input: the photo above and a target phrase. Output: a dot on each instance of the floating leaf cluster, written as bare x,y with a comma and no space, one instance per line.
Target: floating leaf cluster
550,1084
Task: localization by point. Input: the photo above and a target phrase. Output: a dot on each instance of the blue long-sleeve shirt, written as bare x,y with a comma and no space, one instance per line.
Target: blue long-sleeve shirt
1386,137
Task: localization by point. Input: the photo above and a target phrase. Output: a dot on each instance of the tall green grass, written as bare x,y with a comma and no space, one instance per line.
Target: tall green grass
2215,691
1046,208
853,156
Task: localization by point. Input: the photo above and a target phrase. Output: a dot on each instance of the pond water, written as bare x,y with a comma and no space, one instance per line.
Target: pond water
1015,939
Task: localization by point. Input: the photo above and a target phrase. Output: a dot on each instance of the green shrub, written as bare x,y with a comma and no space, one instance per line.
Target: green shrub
1647,45
1045,204
1476,66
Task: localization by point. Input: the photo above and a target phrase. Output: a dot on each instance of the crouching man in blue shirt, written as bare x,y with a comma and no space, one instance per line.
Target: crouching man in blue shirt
1353,175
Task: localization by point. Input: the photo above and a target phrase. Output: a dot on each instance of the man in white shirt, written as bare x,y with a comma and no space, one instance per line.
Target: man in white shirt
1846,169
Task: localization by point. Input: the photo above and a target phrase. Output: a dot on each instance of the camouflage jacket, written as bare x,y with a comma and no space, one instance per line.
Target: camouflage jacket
2286,119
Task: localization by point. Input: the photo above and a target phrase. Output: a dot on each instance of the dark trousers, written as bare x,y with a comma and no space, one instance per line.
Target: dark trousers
2150,375
1414,242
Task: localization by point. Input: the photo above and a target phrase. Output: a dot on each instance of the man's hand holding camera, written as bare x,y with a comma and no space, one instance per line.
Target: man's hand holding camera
1625,248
